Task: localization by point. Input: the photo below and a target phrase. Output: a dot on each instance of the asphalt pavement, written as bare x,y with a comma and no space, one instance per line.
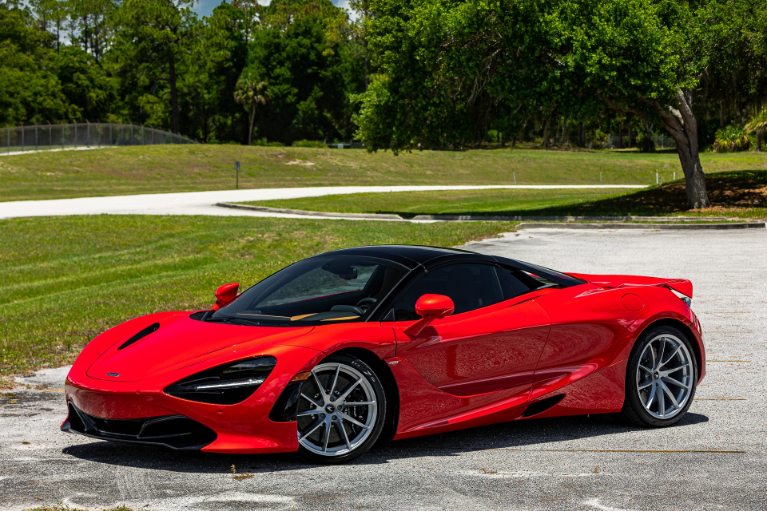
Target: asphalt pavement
715,458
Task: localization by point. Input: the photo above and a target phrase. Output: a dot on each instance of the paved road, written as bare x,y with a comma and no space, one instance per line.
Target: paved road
575,463
202,203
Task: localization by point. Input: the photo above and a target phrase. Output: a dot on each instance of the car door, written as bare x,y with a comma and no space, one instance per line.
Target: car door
490,343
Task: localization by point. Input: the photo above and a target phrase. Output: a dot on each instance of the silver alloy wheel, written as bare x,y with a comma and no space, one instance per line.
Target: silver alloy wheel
664,376
337,410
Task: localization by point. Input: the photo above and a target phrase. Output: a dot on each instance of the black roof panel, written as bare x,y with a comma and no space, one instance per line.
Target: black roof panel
408,255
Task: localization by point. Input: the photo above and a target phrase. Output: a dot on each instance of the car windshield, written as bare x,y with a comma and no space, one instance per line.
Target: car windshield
317,290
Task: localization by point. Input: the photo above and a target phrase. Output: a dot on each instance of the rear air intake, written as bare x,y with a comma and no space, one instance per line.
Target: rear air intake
148,330
542,405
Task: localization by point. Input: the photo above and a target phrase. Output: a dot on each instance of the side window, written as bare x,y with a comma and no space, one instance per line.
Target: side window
470,286
517,282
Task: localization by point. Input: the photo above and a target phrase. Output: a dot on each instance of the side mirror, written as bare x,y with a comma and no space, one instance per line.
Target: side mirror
430,307
226,294
434,306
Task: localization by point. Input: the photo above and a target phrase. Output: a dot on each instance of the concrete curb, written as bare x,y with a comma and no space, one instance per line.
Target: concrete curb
315,214
529,222
552,225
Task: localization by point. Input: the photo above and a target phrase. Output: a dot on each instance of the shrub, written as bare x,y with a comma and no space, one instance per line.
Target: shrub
308,143
264,143
730,140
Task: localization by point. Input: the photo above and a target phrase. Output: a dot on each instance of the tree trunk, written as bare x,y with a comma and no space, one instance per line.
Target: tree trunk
759,137
252,118
546,127
629,135
620,135
173,91
683,128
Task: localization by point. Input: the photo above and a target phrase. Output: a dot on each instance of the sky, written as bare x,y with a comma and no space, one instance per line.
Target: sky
205,7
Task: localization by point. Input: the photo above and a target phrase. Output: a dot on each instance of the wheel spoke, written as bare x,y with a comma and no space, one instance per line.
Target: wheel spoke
320,387
657,361
652,396
348,391
645,368
668,393
675,382
316,426
359,403
327,435
312,401
672,371
670,357
354,421
346,437
642,387
335,380
307,412
661,402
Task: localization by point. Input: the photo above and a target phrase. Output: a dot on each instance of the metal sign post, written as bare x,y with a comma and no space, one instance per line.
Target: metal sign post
237,173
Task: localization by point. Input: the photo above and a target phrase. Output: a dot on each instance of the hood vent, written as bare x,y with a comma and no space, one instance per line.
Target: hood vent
148,330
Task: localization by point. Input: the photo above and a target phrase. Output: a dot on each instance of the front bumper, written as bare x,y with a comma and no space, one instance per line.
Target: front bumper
140,412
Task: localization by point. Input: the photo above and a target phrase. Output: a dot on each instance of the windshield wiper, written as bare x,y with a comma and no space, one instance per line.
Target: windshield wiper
234,320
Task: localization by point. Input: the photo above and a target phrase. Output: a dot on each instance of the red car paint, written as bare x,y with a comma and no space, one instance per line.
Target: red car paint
472,369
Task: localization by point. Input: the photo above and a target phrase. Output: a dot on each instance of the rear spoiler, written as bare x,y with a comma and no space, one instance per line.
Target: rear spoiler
682,286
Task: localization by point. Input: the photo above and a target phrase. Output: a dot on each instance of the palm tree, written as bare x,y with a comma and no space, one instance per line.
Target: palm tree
250,92
758,123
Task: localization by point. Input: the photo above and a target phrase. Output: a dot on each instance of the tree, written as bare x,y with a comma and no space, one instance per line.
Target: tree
448,65
758,124
250,93
151,40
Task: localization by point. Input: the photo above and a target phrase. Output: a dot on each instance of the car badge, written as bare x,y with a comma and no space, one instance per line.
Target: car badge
113,374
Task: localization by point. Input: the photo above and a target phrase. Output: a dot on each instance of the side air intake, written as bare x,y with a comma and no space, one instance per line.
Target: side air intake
148,330
542,405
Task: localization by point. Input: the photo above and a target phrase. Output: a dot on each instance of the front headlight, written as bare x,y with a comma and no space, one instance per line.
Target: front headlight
224,385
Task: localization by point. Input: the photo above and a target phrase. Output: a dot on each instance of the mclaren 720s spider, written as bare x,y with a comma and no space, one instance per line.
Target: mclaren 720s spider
338,351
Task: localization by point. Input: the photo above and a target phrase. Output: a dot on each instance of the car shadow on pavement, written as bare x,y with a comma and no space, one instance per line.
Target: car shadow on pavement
514,435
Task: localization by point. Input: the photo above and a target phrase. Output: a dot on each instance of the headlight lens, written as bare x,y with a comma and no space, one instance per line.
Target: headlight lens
225,385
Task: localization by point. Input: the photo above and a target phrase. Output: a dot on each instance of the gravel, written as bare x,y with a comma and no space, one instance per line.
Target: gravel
715,458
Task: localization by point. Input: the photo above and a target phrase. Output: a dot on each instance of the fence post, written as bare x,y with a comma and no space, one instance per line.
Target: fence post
50,136
62,136
142,134
8,137
22,137
110,134
87,134
75,141
35,137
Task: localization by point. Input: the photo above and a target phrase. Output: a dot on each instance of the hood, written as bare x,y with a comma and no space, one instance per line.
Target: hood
177,342
683,286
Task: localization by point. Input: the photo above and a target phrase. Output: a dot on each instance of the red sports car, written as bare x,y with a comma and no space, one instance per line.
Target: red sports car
337,351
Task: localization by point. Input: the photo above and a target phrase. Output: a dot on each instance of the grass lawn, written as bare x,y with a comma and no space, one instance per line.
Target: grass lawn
67,279
732,194
156,169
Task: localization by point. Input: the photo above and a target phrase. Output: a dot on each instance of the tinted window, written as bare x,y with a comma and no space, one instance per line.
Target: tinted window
320,289
517,282
470,286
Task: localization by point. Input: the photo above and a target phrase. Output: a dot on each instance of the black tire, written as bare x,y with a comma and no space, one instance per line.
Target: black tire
634,410
375,426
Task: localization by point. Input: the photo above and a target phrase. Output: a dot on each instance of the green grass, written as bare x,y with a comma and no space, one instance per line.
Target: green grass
67,279
156,169
732,194
452,202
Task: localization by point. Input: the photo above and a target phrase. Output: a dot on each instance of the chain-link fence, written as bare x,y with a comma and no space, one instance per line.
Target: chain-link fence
85,135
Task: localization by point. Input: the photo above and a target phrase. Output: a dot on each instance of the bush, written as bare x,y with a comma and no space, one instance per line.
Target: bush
264,143
308,143
646,144
730,140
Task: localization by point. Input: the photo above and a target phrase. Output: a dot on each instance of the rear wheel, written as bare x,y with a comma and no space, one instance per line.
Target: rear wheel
661,378
341,410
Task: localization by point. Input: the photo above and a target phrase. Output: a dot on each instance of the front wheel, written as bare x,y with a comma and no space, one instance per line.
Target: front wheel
661,378
341,410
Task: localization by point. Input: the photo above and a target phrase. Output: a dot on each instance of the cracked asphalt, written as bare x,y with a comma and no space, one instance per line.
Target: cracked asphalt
715,458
